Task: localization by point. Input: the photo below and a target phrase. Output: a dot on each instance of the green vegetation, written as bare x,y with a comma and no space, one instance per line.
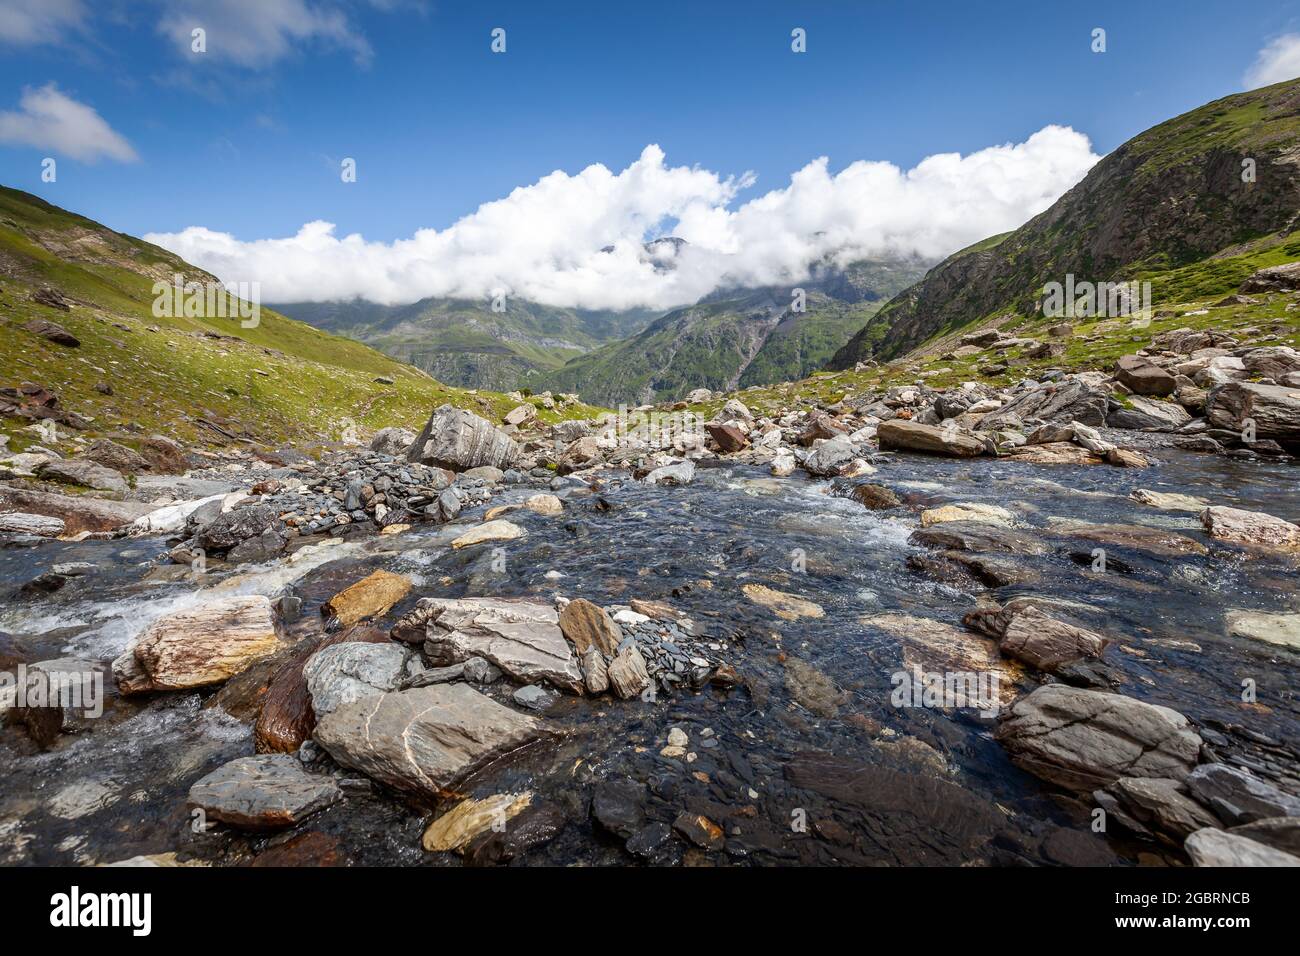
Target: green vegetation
282,382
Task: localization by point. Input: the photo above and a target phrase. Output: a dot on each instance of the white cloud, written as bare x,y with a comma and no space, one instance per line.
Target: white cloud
1278,61
257,33
544,242
49,119
31,22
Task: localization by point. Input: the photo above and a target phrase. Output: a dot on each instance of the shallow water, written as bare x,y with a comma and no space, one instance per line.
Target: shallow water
871,783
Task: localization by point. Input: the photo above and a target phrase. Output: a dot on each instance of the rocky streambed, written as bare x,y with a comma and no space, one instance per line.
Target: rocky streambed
712,667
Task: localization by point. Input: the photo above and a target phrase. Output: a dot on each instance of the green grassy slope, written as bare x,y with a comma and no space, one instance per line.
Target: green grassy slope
1168,199
283,381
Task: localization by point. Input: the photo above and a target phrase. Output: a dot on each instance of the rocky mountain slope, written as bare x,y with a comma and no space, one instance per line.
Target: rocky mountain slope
81,345
736,338
1215,184
465,343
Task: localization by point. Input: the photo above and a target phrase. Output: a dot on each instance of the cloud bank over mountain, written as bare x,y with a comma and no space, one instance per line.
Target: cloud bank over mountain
577,240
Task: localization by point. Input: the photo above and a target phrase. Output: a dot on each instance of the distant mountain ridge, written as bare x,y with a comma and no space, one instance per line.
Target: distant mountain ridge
1195,187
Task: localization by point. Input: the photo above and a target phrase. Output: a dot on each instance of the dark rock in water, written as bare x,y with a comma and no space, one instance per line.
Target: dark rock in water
312,848
265,792
1237,797
619,807
1077,848
459,440
700,830
265,546
652,842
977,536
875,497
70,698
286,718
537,825
913,818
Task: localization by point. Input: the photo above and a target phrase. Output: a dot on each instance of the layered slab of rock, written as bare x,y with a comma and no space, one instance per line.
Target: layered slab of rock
467,820
1283,629
587,625
489,531
77,513
459,440
1273,410
351,671
38,525
266,792
1237,797
1072,400
519,635
1211,847
1045,642
1085,739
424,740
929,439
200,646
978,536
1139,537
1252,528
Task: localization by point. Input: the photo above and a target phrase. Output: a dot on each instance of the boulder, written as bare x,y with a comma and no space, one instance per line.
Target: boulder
967,511
875,497
349,671
1272,361
627,672
395,442
1283,278
520,415
285,718
1210,847
78,513
266,792
203,645
462,824
457,439
424,740
1162,804
977,536
372,596
1274,410
829,457
729,438
1237,797
681,473
1252,528
87,474
1085,739
39,525
519,635
1044,642
498,530
788,607
52,332
586,625
1141,376
1070,400
1281,629
1139,537
1168,501
117,457
930,439
1148,414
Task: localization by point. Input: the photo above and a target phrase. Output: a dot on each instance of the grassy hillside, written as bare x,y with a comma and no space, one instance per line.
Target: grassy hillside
735,339
463,342
281,382
1203,186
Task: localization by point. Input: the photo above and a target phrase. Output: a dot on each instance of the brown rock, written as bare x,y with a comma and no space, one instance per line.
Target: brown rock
372,596
729,437
585,624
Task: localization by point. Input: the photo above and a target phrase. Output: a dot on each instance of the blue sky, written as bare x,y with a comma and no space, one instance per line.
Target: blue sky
250,144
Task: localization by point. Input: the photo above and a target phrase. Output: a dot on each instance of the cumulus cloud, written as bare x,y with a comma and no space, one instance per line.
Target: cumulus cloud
32,22
257,33
577,240
1278,61
50,119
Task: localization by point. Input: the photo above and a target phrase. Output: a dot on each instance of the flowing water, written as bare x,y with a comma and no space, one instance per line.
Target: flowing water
851,780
